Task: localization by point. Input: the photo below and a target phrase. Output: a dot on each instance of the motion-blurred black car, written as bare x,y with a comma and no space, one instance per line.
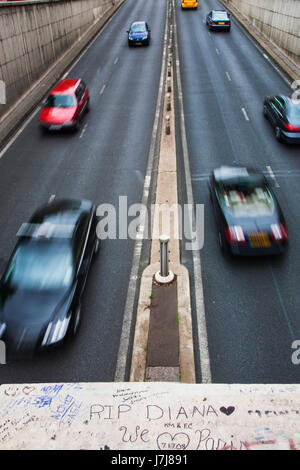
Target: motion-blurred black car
249,219
284,115
42,286
139,34
218,19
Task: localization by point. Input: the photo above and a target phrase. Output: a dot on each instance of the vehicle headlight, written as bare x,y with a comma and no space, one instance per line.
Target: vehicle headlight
56,331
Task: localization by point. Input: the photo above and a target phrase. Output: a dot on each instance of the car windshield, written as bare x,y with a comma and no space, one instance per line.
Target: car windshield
247,200
40,265
60,101
138,28
294,113
220,15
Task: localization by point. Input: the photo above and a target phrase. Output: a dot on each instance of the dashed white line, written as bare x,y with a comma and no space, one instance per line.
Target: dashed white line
228,76
51,198
83,131
245,114
116,60
217,51
102,89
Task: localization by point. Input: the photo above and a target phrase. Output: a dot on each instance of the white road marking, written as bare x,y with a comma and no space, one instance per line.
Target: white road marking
217,51
245,114
228,76
12,140
83,131
51,198
102,89
116,60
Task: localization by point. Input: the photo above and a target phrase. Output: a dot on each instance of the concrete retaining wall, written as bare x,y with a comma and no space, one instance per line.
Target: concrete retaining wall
35,34
278,20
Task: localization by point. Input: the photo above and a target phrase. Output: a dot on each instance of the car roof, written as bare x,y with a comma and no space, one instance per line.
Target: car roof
236,174
57,219
219,11
66,86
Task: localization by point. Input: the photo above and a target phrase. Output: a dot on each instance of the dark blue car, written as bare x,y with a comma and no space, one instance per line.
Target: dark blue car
139,34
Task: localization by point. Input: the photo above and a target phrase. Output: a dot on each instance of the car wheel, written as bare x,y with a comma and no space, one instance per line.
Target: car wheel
278,134
77,126
265,111
223,244
88,106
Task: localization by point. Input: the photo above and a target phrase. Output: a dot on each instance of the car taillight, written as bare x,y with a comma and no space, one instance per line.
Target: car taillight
235,234
279,232
213,22
228,22
291,128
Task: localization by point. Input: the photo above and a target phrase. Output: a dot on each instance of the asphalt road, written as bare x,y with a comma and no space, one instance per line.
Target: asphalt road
106,159
251,305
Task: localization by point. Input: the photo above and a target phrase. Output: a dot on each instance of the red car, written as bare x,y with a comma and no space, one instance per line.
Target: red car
65,105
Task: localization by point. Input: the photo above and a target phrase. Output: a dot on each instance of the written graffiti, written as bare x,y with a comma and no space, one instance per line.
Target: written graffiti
154,412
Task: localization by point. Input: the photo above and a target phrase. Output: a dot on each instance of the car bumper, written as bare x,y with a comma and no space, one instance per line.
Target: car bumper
50,126
246,250
220,26
190,5
138,42
291,137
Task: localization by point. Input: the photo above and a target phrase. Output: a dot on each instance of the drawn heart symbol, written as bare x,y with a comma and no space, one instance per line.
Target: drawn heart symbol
166,441
27,389
227,411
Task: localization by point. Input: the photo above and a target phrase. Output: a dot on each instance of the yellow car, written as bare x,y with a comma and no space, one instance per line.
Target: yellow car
189,3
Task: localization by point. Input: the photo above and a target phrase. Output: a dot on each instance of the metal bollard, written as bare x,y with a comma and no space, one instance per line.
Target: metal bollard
164,275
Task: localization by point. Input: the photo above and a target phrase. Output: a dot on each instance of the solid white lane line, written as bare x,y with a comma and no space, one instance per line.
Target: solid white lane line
12,140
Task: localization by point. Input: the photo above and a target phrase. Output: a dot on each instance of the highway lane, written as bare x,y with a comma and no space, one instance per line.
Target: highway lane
251,305
106,159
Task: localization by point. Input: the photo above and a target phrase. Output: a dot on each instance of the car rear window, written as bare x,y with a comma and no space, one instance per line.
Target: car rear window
60,101
248,201
220,16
